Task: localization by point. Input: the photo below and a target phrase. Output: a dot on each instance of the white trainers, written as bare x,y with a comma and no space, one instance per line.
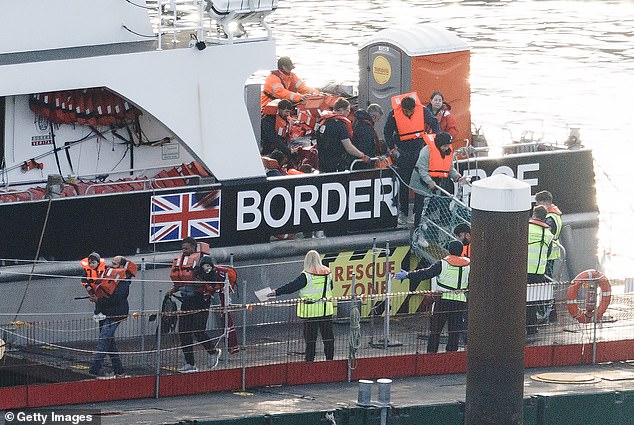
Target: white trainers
215,357
410,219
188,368
422,242
402,219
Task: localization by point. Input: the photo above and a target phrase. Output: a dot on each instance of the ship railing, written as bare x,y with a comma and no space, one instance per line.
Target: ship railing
17,192
148,183
218,21
270,333
173,15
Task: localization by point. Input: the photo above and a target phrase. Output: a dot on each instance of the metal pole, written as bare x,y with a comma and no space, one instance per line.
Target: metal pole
243,353
386,319
159,317
495,358
593,288
159,4
353,299
143,305
372,298
225,313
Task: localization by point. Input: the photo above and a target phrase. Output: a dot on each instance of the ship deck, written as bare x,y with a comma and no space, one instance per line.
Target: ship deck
332,397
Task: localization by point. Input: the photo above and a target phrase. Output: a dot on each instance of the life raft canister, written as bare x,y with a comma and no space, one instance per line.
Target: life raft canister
584,279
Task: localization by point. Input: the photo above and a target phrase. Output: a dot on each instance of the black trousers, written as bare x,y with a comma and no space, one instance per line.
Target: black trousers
450,311
409,151
312,327
531,306
194,325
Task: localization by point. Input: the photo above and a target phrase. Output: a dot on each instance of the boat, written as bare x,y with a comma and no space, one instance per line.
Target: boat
134,132
133,121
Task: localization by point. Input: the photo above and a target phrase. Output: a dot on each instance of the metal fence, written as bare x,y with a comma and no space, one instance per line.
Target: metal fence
271,333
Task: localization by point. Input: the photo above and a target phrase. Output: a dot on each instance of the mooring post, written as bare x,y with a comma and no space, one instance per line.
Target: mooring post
497,301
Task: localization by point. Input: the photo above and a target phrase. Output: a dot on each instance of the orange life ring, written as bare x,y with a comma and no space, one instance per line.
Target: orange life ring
587,316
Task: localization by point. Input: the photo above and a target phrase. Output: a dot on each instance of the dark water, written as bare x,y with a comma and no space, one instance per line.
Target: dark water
541,65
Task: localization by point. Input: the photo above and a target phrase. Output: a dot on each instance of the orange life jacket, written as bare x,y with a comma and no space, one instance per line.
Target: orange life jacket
466,251
183,266
282,127
438,166
456,261
409,128
106,286
91,274
281,86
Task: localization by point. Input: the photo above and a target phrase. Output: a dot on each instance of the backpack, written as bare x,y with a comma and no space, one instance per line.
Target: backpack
224,272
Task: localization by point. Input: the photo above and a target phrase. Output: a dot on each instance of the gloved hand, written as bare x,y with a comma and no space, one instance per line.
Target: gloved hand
394,154
401,275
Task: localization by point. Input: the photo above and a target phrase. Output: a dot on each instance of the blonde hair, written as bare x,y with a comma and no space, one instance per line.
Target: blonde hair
312,262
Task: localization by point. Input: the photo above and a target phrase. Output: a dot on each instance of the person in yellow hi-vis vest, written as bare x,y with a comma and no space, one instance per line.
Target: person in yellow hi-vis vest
315,307
452,277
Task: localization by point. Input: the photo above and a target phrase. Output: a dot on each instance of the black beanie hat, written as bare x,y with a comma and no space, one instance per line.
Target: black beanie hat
442,139
94,256
455,248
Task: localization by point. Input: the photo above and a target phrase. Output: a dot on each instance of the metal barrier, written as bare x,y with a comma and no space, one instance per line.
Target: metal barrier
270,333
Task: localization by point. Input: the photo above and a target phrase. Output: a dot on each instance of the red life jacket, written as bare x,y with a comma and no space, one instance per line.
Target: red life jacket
330,116
466,251
438,166
223,272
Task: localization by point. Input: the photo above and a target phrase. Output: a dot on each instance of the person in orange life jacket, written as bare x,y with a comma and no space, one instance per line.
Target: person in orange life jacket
315,307
553,219
281,159
195,303
208,272
111,311
282,83
407,150
440,109
364,135
433,169
336,151
462,232
275,130
94,266
452,274
540,240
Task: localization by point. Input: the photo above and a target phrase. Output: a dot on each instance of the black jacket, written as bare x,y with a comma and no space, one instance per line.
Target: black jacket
363,137
117,303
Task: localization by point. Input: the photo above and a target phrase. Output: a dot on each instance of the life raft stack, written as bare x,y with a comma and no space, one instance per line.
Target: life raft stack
589,280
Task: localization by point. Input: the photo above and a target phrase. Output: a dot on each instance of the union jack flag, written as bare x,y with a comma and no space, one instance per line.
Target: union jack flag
174,217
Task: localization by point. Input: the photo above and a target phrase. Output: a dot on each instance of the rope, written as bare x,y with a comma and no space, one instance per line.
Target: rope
37,254
79,350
